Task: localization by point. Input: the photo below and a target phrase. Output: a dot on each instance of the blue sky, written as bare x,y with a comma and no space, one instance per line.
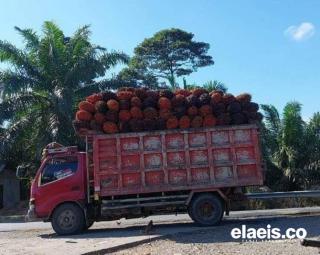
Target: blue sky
268,48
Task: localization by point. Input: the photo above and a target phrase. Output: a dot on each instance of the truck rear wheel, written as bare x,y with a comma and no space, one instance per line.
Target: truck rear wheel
68,219
206,209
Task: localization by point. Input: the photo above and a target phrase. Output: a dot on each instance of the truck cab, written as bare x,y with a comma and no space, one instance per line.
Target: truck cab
59,182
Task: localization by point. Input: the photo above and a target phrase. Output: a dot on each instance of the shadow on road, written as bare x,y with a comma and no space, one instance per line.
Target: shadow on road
190,233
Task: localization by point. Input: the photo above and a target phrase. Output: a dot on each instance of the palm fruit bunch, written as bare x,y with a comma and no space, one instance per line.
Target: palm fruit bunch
166,93
141,109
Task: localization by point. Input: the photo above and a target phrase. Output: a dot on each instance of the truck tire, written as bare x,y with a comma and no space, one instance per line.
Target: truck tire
206,209
68,219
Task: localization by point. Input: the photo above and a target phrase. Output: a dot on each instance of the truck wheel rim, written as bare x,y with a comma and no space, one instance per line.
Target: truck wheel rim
67,219
206,210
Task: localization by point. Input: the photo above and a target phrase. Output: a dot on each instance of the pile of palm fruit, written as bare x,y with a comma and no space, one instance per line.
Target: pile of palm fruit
141,109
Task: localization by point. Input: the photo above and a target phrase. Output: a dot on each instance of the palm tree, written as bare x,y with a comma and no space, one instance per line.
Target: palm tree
209,85
43,83
291,144
215,85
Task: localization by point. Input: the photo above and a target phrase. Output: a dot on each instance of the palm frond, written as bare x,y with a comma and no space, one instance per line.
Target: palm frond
83,33
271,118
52,52
50,29
9,107
215,85
15,82
14,130
87,90
314,123
113,58
30,37
17,58
293,125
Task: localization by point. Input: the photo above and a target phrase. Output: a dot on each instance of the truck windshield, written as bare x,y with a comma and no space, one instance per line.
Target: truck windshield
58,168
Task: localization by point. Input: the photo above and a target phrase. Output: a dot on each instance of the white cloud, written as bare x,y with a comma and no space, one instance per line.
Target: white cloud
301,32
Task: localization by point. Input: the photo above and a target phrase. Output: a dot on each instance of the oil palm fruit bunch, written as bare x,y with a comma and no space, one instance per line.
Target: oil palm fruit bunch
141,109
178,100
150,113
184,122
166,93
124,104
124,95
179,111
164,103
107,95
86,106
154,94
101,106
234,107
204,99
149,102
198,91
244,98
183,92
192,100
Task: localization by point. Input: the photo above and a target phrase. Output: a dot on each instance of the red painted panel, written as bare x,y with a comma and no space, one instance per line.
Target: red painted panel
200,175
175,141
131,179
129,144
222,155
245,154
242,136
223,173
154,178
108,163
197,140
176,159
170,160
178,177
109,181
247,171
153,161
130,162
152,143
107,146
199,157
220,137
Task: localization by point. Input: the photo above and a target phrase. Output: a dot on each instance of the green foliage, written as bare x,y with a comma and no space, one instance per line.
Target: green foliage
215,85
133,78
209,85
43,84
170,53
292,145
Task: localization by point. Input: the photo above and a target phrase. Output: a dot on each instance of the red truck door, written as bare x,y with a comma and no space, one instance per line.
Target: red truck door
61,179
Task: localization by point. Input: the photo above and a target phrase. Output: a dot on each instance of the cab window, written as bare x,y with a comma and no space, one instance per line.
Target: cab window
58,168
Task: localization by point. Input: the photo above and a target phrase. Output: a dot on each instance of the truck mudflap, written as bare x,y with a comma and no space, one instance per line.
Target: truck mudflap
31,214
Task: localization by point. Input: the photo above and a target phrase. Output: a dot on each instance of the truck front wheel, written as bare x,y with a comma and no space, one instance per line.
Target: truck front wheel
68,219
206,209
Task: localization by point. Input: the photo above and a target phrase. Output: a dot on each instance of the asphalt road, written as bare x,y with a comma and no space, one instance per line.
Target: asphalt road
39,238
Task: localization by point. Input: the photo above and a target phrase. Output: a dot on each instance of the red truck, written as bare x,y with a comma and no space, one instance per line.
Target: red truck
139,174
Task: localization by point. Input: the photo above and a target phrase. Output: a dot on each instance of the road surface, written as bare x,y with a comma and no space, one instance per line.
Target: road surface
39,238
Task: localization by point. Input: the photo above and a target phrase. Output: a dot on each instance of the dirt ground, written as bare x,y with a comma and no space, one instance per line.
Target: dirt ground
175,235
218,241
178,247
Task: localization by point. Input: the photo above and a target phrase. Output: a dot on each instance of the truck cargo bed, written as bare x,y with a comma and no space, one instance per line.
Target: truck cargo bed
172,160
